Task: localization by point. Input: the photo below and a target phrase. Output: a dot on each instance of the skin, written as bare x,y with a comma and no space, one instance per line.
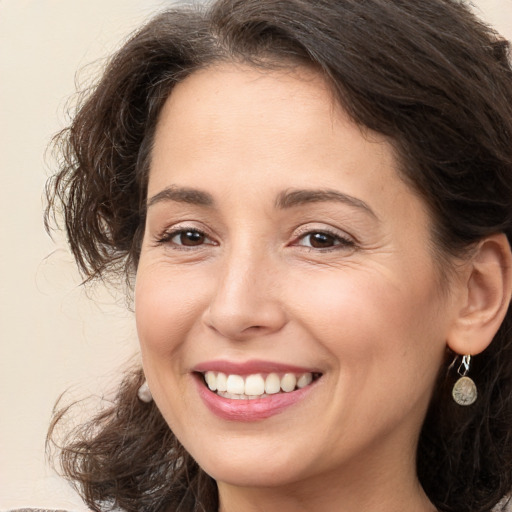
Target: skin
366,309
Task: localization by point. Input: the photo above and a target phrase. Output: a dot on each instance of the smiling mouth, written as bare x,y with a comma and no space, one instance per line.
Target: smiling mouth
257,385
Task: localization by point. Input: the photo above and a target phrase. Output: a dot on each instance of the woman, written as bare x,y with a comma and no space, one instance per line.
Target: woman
313,202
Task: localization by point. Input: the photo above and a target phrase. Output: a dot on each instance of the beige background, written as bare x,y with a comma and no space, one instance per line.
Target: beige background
52,337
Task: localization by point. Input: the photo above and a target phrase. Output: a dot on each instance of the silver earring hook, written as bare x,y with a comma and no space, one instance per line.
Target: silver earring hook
464,366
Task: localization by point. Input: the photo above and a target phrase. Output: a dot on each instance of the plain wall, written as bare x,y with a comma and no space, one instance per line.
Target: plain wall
52,336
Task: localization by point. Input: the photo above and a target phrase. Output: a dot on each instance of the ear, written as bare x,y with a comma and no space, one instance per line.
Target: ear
485,297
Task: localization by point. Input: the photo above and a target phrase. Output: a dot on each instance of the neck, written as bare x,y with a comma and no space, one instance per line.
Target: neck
333,499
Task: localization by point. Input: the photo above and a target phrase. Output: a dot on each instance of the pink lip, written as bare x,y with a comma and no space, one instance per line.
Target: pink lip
250,410
249,367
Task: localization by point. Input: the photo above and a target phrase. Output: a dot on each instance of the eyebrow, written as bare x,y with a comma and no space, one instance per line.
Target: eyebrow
293,198
182,195
285,200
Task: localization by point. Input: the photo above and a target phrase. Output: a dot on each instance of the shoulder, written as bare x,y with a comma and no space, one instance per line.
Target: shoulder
36,510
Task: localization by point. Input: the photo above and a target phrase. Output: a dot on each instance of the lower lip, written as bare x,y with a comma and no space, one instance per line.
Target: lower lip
250,410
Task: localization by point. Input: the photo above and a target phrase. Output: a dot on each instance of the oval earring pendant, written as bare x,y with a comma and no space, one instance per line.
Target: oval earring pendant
144,393
464,391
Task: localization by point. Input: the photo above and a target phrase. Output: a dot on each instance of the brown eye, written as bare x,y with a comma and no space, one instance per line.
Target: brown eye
324,240
185,238
321,240
189,238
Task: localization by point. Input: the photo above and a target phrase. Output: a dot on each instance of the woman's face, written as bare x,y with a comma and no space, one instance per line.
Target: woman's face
282,245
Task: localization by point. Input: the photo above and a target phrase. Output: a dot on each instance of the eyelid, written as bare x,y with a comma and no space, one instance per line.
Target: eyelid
318,228
342,237
166,235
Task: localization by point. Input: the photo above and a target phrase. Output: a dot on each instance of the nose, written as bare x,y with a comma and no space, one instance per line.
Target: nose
246,301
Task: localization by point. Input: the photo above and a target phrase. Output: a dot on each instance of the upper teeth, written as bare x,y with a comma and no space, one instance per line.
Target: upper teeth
256,385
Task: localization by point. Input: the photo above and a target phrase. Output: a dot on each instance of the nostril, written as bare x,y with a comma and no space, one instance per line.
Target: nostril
254,328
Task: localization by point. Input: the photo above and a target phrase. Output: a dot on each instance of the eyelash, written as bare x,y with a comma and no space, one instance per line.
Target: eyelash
167,236
340,242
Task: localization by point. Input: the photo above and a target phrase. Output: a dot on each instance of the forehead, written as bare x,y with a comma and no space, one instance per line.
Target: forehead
232,116
215,103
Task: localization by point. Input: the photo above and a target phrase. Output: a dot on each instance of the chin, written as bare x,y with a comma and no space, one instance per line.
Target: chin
252,475
260,466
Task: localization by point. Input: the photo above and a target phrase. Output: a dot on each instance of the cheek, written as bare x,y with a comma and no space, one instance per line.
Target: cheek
385,344
371,321
166,307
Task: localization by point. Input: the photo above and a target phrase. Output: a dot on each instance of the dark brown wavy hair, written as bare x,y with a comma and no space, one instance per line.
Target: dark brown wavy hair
426,74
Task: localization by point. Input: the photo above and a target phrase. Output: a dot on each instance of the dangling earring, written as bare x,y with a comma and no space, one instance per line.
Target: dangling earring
144,393
464,391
